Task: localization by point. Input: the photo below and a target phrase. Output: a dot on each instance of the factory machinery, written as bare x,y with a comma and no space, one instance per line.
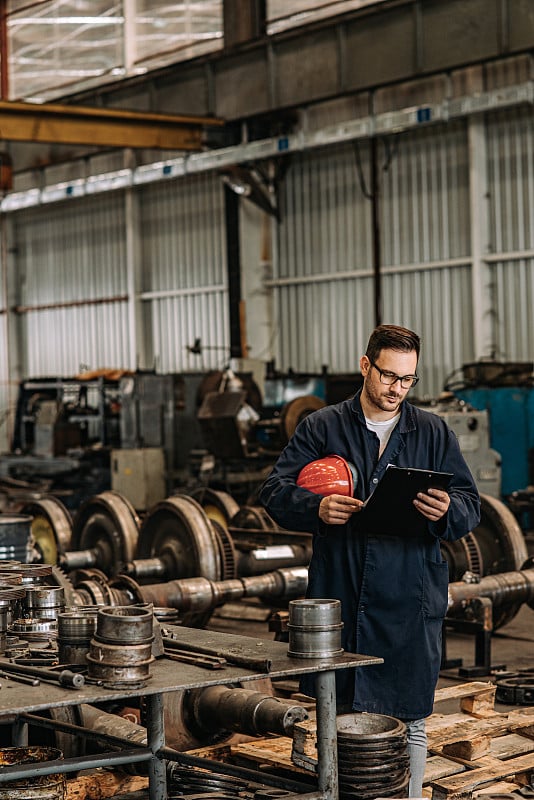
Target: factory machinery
188,555
194,552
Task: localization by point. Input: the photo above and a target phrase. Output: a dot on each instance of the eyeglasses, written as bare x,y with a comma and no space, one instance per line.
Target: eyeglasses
389,378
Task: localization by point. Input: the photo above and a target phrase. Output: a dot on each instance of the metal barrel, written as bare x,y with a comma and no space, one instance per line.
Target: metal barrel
15,537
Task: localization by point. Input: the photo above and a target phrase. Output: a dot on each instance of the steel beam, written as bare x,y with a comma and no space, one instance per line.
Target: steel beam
66,124
362,50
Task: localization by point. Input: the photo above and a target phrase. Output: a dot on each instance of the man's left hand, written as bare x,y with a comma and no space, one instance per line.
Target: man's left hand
433,505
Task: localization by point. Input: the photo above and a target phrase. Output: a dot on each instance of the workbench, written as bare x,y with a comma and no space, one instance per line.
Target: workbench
171,676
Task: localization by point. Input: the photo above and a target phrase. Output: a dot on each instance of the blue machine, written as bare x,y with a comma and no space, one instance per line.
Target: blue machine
511,426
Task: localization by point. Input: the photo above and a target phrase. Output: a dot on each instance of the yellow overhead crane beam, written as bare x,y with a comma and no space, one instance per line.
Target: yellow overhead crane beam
99,127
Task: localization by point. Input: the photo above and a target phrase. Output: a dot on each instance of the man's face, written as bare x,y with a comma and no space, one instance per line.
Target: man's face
383,397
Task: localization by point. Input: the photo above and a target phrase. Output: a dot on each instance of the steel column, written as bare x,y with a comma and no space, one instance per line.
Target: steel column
483,335
155,726
325,686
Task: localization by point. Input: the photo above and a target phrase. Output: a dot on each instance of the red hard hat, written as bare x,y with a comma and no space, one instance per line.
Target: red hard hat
328,475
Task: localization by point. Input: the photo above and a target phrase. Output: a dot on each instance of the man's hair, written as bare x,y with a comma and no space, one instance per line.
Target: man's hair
392,337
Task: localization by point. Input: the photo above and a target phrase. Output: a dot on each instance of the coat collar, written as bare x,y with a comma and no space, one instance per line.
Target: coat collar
406,423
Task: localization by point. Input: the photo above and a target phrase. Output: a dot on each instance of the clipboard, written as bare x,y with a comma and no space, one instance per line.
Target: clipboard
389,509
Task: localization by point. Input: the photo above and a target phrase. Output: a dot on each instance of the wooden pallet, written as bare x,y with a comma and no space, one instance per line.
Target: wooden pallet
477,750
473,750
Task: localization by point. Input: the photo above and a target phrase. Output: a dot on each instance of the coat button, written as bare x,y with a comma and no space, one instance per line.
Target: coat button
375,480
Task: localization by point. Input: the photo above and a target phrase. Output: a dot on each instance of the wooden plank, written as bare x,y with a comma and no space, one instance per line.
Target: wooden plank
476,697
275,752
460,786
469,749
100,785
439,767
463,690
496,789
511,745
471,728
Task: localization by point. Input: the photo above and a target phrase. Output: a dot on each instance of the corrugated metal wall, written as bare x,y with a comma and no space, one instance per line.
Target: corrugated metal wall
71,258
72,274
511,182
184,257
322,290
323,282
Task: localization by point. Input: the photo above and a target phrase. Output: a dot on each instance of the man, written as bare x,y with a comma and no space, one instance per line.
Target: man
392,587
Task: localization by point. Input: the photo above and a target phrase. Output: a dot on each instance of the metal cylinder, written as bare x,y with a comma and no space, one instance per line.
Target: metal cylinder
44,602
244,710
314,628
38,631
15,537
125,624
75,631
41,787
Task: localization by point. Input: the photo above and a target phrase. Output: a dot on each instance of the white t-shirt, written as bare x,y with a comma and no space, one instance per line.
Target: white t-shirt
383,430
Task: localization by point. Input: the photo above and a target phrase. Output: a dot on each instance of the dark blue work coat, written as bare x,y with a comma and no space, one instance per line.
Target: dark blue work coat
392,588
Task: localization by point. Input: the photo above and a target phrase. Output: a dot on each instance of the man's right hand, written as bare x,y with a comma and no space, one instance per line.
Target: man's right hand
336,509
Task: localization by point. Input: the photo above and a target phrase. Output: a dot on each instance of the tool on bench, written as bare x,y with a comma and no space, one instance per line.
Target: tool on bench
65,677
20,678
258,664
198,660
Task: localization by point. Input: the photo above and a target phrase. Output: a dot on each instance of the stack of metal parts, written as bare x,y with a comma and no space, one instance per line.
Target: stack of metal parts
373,757
9,595
43,787
76,628
120,653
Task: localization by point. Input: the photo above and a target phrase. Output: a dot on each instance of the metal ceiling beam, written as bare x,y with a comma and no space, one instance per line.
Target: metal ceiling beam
66,124
372,47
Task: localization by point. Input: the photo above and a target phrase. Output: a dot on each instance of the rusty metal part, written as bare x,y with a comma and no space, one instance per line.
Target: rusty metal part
117,676
231,654
75,631
118,655
373,756
196,595
125,625
94,589
219,506
35,629
505,590
271,556
295,411
105,533
207,662
178,531
253,517
244,710
65,677
515,689
15,536
227,551
44,602
496,545
20,678
51,527
77,624
48,787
